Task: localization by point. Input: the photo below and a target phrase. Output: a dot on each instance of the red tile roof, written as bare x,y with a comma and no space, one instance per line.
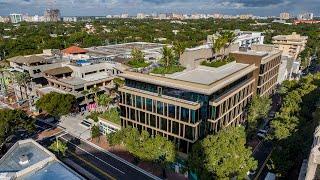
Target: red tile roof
74,50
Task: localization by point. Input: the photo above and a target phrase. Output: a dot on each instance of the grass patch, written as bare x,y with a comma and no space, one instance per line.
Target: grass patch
167,70
138,64
215,63
112,115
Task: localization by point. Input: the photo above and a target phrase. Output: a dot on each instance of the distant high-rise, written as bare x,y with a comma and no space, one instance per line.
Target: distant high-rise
52,15
15,18
305,16
284,16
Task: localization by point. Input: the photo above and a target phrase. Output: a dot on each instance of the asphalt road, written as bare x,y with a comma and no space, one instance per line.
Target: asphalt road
104,165
98,163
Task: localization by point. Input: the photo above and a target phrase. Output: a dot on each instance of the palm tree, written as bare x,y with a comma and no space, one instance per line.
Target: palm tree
167,57
85,93
178,49
228,38
95,90
104,100
19,78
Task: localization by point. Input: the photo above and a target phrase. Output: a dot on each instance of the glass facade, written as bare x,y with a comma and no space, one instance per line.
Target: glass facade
176,122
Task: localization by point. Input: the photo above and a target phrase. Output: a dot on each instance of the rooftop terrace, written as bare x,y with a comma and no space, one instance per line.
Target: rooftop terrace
204,80
208,75
125,49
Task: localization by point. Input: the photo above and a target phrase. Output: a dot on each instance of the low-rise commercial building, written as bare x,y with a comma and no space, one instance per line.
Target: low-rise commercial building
290,45
28,160
36,64
185,106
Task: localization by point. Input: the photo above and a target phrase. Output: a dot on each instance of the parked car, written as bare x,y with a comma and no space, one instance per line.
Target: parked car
86,123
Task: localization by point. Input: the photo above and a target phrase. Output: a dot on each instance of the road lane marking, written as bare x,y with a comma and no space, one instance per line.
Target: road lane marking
94,156
93,166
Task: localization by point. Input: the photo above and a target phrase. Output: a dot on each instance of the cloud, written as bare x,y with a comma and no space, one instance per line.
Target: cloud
104,7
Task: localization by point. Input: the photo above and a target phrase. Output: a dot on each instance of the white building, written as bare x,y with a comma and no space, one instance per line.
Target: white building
243,38
15,18
305,16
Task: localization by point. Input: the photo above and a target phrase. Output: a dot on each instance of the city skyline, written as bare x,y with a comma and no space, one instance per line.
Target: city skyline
132,7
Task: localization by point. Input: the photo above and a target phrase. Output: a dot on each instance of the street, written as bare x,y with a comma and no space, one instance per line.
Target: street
97,163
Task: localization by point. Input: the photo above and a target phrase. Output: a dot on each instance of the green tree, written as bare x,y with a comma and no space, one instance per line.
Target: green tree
178,48
104,100
56,104
258,109
95,131
85,93
13,120
59,147
167,59
145,147
222,156
137,60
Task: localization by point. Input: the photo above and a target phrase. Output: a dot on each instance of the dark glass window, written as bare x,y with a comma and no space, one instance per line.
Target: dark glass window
139,102
184,114
149,104
128,99
175,128
172,111
189,132
165,105
163,124
178,112
193,116
123,111
142,117
154,104
133,100
133,114
159,107
152,120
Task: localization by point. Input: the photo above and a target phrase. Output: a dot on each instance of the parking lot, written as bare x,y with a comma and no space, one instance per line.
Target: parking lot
73,125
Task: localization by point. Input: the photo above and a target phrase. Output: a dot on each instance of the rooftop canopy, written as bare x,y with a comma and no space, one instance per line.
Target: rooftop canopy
74,50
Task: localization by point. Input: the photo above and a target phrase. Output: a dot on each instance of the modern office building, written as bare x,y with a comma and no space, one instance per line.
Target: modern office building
185,106
28,160
268,59
16,18
290,45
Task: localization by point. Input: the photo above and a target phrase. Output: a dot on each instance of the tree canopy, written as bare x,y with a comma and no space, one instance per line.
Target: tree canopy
222,156
258,109
144,146
56,104
13,120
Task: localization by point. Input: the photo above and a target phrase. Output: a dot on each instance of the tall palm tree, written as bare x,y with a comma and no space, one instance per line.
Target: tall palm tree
85,93
167,56
228,38
95,91
19,79
178,49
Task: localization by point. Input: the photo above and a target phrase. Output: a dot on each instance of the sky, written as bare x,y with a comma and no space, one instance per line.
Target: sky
105,7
